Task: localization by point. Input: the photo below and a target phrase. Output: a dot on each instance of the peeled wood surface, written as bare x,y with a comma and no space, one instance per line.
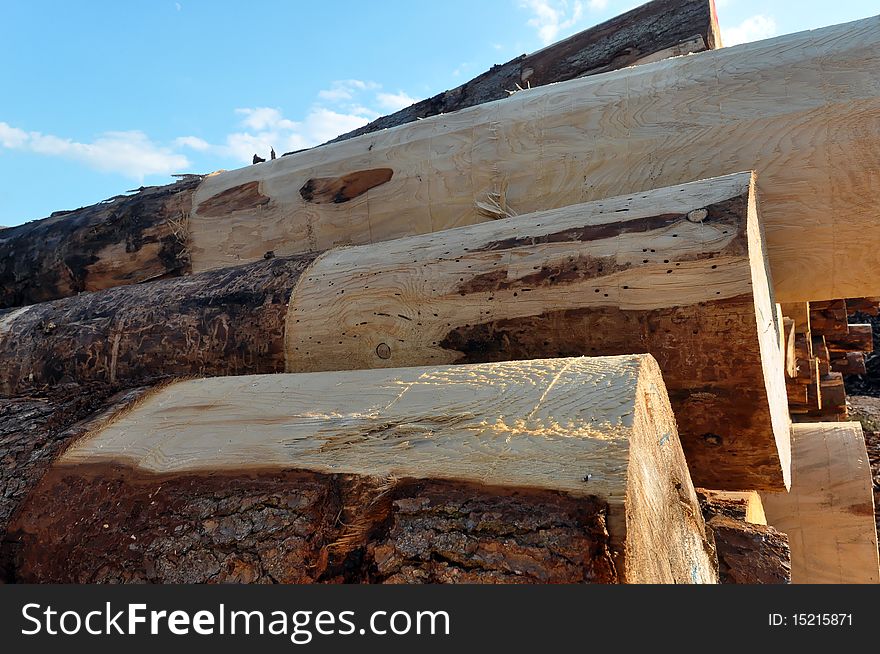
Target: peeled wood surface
598,430
829,514
677,272
801,109
658,29
124,240
225,322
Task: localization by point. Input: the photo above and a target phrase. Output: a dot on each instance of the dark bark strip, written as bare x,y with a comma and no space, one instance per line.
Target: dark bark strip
126,240
615,44
337,190
224,322
121,525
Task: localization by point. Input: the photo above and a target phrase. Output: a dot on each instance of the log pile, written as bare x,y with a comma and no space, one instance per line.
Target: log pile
498,344
822,347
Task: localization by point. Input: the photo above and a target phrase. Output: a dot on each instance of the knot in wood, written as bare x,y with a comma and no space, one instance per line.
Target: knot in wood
383,351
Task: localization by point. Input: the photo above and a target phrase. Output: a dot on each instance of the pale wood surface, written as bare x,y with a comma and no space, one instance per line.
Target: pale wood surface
829,513
801,109
628,274
586,427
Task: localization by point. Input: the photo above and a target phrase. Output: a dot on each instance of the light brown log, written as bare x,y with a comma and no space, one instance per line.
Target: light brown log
829,513
788,328
575,462
131,239
800,109
859,339
833,391
676,272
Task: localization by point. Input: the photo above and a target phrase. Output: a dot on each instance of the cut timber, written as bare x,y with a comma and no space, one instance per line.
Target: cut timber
789,336
799,312
563,470
800,109
829,318
678,273
124,240
657,30
833,391
133,239
829,514
853,363
226,322
860,338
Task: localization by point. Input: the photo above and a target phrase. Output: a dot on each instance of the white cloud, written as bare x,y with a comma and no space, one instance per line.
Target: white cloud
554,16
394,101
130,153
346,89
192,142
753,28
273,130
598,5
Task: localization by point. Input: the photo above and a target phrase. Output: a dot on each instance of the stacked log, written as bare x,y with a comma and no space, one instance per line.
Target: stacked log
821,349
136,238
426,298
678,273
776,107
394,476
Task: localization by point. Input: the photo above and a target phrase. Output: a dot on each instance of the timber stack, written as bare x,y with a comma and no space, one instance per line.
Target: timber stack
552,326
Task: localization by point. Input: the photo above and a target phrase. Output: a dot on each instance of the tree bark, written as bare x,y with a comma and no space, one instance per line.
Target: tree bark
229,322
381,476
124,240
678,273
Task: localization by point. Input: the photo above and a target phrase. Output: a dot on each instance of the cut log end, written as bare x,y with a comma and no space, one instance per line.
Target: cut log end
378,467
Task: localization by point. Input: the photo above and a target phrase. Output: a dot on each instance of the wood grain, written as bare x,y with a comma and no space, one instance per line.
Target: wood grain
829,514
803,110
627,274
596,429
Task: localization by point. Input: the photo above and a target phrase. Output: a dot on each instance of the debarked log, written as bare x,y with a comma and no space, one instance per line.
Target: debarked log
563,470
800,109
678,273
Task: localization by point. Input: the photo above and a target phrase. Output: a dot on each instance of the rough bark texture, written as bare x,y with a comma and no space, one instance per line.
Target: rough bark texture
33,432
124,240
750,554
617,43
298,527
227,322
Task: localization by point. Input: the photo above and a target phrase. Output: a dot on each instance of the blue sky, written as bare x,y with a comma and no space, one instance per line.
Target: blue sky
101,96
